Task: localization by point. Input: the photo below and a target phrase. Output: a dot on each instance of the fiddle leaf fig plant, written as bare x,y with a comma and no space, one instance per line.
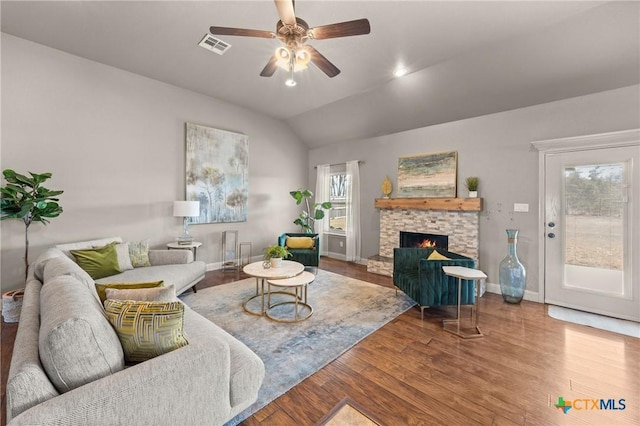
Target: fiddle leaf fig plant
24,198
307,218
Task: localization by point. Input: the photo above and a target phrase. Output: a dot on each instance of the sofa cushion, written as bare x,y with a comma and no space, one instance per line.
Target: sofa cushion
146,329
80,245
157,294
300,242
43,259
98,262
180,275
102,288
247,369
139,253
62,265
77,344
28,384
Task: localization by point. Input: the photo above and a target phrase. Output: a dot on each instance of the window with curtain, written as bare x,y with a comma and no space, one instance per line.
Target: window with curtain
338,197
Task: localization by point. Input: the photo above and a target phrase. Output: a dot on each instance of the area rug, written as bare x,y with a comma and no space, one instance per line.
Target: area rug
346,311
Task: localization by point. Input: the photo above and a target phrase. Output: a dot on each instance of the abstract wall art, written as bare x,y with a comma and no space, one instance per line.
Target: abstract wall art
428,175
217,174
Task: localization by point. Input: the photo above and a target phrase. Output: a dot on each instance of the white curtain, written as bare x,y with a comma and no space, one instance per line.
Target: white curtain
322,195
353,211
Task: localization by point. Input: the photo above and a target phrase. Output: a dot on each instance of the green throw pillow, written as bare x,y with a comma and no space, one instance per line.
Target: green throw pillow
98,262
139,253
146,329
102,288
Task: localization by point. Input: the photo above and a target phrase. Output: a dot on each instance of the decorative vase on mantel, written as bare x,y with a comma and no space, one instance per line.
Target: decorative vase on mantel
513,276
386,187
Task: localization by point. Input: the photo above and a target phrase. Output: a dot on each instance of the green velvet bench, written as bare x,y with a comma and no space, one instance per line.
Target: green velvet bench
424,281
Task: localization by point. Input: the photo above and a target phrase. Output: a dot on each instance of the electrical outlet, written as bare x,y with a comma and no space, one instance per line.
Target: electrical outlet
341,243
521,207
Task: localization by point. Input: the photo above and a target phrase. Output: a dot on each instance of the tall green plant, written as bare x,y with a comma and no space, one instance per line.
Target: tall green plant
24,198
307,218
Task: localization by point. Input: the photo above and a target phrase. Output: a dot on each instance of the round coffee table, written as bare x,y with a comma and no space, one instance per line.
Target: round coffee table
299,284
287,269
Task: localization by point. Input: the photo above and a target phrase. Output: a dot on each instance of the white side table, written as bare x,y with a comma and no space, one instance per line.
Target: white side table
193,246
462,273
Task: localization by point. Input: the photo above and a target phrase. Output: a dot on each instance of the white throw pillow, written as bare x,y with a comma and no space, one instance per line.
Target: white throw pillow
124,261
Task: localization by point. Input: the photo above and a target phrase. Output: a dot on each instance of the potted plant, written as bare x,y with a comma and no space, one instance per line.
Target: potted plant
275,254
307,218
23,198
472,185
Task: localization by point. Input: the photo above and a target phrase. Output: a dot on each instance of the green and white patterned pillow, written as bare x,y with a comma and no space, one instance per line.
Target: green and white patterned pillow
139,253
146,329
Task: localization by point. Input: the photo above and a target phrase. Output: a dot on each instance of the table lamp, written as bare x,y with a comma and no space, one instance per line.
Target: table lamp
186,209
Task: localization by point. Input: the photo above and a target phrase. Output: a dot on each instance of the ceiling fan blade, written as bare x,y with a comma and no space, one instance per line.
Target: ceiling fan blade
323,63
286,11
241,32
342,29
270,68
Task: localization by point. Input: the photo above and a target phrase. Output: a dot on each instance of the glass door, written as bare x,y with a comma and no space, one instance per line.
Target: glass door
591,221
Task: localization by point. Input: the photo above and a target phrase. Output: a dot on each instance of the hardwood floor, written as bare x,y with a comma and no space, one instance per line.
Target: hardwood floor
411,372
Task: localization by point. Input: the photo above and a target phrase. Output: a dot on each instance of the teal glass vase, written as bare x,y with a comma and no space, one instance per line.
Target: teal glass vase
513,276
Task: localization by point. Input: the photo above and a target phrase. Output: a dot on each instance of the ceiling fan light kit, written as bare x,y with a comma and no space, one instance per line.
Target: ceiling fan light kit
400,71
294,33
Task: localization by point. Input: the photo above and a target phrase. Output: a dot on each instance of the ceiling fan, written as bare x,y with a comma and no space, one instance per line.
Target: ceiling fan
294,33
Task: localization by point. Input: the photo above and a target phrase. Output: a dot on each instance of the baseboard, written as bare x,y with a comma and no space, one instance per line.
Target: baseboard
338,256
218,265
531,296
341,256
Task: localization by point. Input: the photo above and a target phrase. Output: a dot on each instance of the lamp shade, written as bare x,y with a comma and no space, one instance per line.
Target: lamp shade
186,208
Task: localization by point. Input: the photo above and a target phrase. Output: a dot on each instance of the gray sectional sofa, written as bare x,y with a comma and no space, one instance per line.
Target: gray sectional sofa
68,366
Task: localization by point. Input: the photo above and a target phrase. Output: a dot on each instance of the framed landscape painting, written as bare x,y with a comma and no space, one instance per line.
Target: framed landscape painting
428,175
217,174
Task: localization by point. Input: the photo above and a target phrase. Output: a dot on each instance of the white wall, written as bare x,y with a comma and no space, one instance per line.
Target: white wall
115,143
497,149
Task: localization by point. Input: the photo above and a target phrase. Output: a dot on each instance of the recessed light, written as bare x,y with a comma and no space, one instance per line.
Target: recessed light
400,71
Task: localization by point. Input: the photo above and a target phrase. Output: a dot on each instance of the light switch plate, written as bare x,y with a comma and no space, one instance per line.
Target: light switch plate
521,207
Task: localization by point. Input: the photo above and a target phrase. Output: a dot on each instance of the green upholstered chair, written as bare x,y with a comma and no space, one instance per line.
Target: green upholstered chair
308,257
424,281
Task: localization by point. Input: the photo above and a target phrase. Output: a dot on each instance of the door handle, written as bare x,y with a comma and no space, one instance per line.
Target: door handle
551,235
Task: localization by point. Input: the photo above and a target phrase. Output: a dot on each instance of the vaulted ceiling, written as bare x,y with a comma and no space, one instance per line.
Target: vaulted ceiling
465,59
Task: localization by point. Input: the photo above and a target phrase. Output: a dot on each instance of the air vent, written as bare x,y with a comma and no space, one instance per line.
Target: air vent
213,44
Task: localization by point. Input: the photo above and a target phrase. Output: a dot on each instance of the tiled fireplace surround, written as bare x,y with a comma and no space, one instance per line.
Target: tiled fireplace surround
462,227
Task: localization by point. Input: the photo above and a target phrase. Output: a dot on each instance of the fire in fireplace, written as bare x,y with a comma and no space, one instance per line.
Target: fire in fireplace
419,239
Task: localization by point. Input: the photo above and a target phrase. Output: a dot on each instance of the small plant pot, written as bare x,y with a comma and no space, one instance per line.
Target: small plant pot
473,194
276,262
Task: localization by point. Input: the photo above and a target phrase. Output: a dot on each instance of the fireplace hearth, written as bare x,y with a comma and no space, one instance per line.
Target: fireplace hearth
421,240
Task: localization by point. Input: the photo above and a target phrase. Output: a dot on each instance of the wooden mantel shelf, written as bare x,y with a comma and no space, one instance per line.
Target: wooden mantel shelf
460,204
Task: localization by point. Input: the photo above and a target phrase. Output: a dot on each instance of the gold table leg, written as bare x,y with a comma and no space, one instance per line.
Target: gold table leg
448,323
